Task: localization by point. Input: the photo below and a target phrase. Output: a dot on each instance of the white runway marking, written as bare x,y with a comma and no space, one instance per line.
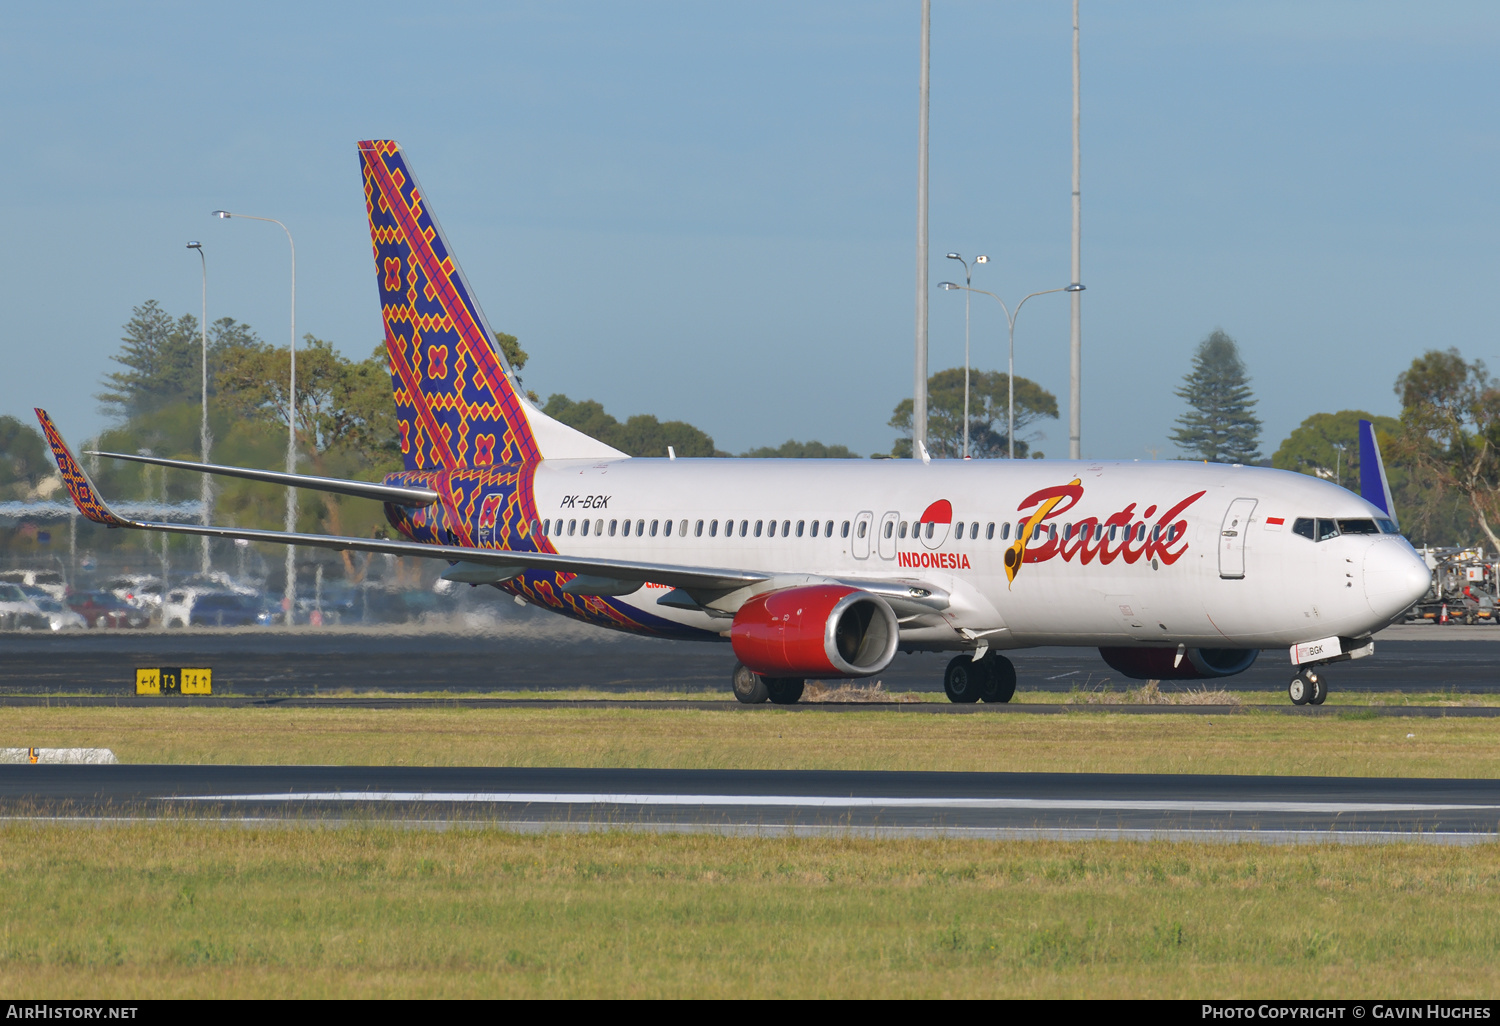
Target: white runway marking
826,801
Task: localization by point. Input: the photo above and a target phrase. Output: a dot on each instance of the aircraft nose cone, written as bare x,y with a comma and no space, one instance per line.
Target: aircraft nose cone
1395,577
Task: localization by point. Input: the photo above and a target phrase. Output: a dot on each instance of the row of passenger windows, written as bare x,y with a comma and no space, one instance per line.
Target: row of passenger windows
763,528
812,528
1322,530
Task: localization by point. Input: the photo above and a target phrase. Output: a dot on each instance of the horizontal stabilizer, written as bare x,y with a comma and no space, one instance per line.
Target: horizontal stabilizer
361,489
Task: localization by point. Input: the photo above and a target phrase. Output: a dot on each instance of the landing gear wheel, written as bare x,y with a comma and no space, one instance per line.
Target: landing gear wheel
1297,690
749,687
1000,680
785,690
964,680
1317,689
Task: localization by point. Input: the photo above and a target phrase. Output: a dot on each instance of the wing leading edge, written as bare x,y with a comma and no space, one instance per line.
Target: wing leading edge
86,497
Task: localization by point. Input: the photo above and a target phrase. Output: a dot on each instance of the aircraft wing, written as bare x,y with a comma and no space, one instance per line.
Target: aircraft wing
699,579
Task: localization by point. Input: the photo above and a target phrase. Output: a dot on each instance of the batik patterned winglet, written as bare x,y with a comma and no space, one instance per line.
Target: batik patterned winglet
85,497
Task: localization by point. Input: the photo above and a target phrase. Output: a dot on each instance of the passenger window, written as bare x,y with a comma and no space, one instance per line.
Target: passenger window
713,529
889,526
800,525
599,527
828,529
1099,532
698,530
813,528
666,528
844,531
1327,529
862,528
1067,532
585,529
640,528
930,529
682,529
654,525
1304,527
612,525
547,526
989,532
771,529
759,527
958,530
1358,527
901,532
744,528
786,528
571,525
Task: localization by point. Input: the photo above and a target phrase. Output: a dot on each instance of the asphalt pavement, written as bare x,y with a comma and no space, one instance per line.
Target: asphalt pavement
1278,809
546,653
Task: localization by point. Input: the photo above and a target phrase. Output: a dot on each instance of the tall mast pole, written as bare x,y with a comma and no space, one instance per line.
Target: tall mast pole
919,386
1075,369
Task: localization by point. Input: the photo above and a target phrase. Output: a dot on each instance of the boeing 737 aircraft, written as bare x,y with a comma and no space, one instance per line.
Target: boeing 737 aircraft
826,568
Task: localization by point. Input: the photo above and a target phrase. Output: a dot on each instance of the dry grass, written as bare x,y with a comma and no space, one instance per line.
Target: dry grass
851,691
193,910
1090,740
1150,693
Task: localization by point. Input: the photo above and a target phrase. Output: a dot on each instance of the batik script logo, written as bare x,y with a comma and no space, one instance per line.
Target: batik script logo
1123,535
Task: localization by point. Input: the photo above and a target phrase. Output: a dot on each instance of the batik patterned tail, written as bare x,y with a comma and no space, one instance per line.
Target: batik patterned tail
85,497
455,402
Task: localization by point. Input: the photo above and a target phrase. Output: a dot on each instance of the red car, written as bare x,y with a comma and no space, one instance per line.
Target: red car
103,609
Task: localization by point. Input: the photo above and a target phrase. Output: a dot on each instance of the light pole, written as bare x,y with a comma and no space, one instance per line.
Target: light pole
1010,382
290,597
968,280
203,439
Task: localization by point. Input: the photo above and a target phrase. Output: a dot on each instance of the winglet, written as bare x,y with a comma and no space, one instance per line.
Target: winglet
1374,486
85,496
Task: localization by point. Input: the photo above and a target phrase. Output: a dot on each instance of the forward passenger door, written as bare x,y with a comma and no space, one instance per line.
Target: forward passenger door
1232,538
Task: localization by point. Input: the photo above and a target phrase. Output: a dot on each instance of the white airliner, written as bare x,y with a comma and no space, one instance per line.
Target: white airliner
826,568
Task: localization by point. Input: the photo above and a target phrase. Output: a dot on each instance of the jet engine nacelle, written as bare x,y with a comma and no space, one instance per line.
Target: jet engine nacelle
818,631
1196,663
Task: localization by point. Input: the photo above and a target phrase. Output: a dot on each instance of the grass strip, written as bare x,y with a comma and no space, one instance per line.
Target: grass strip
201,910
1091,740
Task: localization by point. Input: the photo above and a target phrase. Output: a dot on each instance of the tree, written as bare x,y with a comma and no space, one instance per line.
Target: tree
1450,412
793,449
1326,445
23,458
1220,425
988,395
641,435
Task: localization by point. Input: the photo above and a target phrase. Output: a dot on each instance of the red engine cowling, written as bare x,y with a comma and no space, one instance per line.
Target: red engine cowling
1196,663
818,631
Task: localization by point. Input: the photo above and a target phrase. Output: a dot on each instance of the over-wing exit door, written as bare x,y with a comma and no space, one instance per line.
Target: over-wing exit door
1232,538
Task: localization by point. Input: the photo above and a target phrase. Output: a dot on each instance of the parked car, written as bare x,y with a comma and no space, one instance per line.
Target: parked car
19,613
104,609
59,616
225,609
50,581
140,590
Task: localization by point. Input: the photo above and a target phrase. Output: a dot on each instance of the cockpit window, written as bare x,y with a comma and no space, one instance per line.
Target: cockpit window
1387,527
1304,527
1327,529
1358,527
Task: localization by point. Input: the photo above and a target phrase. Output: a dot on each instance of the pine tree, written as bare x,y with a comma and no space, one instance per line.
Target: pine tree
1220,425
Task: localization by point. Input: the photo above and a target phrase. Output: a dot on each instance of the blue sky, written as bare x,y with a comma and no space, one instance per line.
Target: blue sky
706,211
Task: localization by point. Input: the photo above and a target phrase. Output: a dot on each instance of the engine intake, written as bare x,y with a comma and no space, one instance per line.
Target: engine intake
818,631
1196,664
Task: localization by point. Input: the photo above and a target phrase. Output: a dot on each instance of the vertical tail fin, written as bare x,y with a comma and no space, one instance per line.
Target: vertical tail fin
1374,486
456,400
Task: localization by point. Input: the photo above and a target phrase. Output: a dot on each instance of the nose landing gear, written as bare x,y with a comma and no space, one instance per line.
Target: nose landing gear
1307,688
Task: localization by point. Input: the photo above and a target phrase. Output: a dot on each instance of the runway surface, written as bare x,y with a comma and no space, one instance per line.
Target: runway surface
547,653
997,805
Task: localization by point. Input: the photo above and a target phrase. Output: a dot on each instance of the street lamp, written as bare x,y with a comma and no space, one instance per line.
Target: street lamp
203,439
290,597
1010,401
968,280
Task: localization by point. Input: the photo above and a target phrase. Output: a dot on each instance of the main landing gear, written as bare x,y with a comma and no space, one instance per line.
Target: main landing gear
752,689
991,679
1307,688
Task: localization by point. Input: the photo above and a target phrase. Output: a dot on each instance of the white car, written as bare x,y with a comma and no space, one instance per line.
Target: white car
59,617
50,581
19,613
